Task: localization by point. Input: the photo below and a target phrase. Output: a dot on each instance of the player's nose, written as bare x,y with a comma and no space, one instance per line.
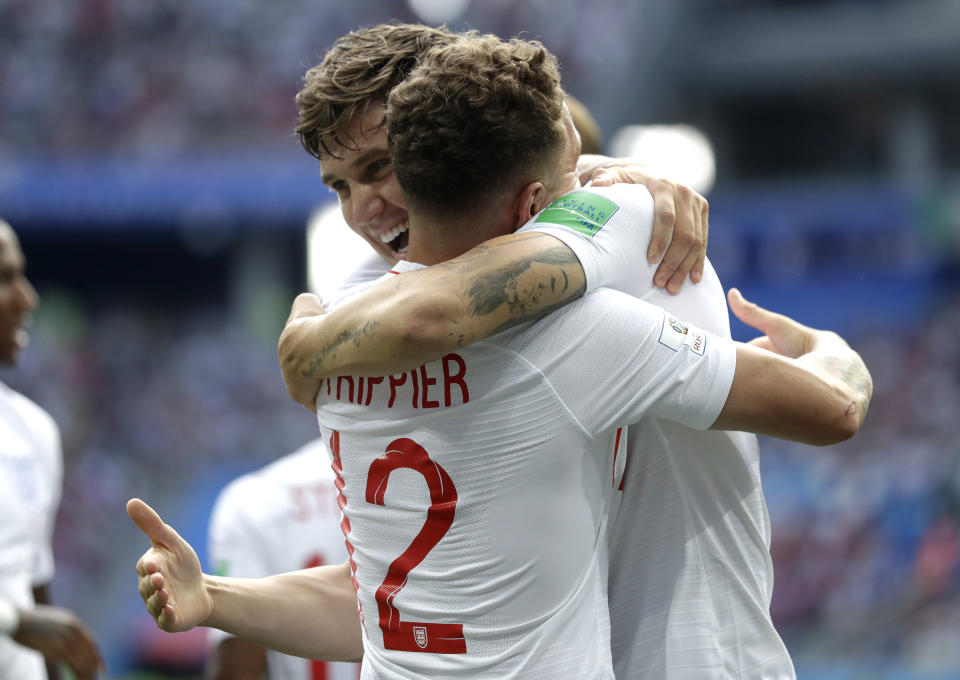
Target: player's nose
27,297
367,205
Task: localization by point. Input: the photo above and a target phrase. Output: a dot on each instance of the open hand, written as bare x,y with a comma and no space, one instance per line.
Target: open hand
169,577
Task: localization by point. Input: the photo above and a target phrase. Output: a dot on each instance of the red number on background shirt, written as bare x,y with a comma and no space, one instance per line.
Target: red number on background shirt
407,636
318,669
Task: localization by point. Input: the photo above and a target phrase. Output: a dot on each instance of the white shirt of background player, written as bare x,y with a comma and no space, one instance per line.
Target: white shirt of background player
280,518
31,471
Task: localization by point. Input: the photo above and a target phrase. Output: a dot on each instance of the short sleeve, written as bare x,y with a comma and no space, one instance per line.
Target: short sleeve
609,230
615,359
369,268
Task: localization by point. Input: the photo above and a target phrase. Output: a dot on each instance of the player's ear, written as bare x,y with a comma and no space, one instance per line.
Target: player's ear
530,201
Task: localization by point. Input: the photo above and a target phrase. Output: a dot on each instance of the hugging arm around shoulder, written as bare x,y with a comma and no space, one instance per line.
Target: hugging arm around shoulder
421,315
582,241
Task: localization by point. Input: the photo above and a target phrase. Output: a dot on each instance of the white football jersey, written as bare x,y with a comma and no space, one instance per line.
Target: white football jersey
690,569
476,488
283,517
31,472
366,270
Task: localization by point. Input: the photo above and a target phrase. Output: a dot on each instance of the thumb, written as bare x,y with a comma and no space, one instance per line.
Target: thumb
149,522
306,304
748,312
604,177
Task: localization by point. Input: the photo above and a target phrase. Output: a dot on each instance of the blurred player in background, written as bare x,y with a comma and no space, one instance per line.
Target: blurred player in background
31,469
591,138
281,518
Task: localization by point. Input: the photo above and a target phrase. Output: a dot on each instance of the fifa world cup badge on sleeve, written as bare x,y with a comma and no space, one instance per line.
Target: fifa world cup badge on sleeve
582,211
675,333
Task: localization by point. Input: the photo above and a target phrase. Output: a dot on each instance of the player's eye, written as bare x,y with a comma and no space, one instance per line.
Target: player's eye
377,168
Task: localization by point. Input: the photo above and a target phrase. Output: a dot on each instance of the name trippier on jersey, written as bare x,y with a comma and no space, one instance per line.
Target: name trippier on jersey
439,383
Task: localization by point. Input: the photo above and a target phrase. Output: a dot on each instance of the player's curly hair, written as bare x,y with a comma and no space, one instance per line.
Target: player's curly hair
474,118
359,70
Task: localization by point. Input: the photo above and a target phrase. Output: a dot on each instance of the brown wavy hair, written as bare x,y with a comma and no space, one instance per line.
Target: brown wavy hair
473,119
359,70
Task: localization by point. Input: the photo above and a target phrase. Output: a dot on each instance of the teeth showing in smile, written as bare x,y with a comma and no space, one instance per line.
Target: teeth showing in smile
388,236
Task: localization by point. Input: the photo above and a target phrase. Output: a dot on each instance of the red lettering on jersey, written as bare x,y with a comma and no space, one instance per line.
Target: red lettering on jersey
312,499
349,384
370,383
324,498
409,636
299,512
318,669
360,390
427,401
459,378
395,382
416,388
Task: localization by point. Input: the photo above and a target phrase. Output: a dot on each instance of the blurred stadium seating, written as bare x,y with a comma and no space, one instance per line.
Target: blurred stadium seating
147,160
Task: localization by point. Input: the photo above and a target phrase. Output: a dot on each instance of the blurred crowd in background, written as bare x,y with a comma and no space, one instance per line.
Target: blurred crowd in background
836,201
165,78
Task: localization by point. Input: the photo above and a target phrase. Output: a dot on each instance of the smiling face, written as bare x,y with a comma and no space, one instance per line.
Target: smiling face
369,194
17,297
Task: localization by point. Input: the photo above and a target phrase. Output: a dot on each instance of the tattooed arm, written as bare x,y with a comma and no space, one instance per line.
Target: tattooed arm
421,315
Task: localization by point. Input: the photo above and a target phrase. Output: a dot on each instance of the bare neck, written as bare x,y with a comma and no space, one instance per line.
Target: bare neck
435,239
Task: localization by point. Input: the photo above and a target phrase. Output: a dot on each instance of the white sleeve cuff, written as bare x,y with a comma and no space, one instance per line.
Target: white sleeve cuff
9,618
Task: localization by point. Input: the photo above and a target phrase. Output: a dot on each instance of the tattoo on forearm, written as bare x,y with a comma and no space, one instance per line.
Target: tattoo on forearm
490,290
329,351
531,316
853,374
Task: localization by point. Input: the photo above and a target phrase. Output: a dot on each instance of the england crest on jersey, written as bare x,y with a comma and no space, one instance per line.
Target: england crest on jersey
420,636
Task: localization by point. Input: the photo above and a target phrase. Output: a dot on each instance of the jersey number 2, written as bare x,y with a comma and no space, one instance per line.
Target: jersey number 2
408,636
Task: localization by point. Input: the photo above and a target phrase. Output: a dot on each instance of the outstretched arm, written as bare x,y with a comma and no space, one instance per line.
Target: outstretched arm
795,382
310,613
